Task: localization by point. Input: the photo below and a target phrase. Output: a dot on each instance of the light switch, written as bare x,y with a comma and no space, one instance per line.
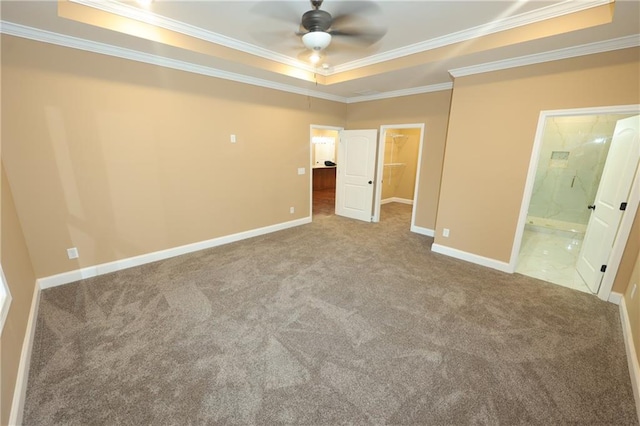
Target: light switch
301,170
233,138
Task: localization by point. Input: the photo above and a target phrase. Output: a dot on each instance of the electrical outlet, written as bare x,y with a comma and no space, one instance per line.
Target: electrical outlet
445,232
72,253
292,210
633,290
233,138
301,170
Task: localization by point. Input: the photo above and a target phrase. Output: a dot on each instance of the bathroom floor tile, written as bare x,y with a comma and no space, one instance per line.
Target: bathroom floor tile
551,258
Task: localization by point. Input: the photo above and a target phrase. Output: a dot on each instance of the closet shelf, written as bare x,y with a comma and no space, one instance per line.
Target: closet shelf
395,164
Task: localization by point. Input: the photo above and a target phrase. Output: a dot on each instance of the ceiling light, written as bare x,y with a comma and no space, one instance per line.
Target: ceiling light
316,40
314,58
144,2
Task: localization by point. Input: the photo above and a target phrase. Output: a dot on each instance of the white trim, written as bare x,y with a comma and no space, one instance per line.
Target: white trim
528,191
147,16
632,355
498,25
20,390
118,265
470,257
402,92
627,218
377,195
544,13
44,36
615,298
396,200
552,55
423,231
423,140
5,299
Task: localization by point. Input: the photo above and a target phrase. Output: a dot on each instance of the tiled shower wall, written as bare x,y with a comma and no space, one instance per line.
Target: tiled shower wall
573,154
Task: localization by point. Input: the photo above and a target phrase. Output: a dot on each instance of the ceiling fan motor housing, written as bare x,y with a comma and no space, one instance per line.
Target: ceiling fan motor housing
316,20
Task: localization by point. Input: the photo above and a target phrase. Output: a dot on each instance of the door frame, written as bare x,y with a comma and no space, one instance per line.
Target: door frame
313,127
622,236
382,134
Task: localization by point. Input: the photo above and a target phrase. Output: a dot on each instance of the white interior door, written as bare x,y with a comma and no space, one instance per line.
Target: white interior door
617,177
355,174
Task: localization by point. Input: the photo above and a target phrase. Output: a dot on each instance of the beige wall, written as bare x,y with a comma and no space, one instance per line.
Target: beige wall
21,279
429,108
633,304
492,126
628,260
119,158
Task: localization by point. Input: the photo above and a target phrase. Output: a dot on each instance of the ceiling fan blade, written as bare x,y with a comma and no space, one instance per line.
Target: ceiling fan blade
279,10
364,37
350,21
266,37
346,20
345,9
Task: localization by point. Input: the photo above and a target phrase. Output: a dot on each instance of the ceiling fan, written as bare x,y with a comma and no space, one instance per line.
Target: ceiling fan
320,27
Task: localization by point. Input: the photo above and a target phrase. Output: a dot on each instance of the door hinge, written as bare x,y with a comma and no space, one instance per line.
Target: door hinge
623,206
603,268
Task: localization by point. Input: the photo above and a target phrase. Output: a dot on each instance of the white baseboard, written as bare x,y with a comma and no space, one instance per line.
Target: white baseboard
632,358
396,200
473,258
118,265
423,231
20,390
615,298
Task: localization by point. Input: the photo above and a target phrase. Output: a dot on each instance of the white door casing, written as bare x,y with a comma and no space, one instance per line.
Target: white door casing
615,184
355,174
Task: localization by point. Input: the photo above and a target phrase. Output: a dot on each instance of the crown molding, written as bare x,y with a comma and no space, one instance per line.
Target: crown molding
553,55
31,33
544,13
402,92
22,31
148,17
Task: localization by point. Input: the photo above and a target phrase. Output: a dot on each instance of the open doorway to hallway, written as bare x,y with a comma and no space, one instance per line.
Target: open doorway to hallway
324,153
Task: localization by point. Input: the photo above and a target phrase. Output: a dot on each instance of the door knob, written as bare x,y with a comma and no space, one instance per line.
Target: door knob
592,207
370,182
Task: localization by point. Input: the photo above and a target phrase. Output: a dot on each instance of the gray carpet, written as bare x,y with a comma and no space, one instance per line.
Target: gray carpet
335,322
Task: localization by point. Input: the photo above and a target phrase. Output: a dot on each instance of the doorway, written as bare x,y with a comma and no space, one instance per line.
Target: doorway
398,171
324,157
569,156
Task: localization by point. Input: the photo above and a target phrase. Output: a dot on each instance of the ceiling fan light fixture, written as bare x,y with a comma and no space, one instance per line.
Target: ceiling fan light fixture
316,40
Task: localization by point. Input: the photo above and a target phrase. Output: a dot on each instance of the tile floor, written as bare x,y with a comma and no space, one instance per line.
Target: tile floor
551,257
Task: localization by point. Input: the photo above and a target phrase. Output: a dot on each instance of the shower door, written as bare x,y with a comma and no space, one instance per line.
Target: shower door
617,177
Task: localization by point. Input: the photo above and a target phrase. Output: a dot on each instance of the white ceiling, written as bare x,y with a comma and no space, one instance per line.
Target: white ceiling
266,29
